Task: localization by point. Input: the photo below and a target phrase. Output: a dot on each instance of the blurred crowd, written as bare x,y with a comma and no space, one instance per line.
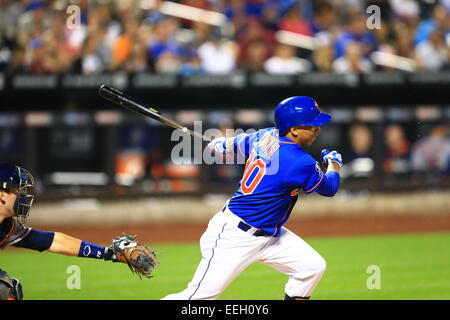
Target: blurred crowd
426,155
400,155
44,37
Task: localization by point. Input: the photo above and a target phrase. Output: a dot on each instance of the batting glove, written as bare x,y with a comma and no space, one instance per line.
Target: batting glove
332,156
219,145
110,255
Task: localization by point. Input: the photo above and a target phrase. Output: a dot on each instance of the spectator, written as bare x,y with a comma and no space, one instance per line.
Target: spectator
254,32
432,54
323,55
432,153
397,153
91,63
285,61
353,61
43,57
445,4
163,44
383,35
104,48
217,56
361,139
439,20
103,18
24,24
17,64
347,8
293,22
234,8
256,57
192,65
122,47
356,31
138,60
167,62
249,8
403,39
408,10
359,159
324,18
269,16
34,17
9,14
201,33
254,8
138,151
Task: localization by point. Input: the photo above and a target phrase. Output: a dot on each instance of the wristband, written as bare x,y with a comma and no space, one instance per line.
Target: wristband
91,250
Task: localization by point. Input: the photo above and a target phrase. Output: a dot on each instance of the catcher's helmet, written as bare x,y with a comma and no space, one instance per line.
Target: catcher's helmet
298,111
18,179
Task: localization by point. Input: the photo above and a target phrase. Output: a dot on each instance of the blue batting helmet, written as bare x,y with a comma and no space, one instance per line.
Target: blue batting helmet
19,179
298,111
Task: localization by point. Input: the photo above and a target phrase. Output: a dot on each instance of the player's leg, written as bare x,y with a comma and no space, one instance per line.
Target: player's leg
293,256
226,252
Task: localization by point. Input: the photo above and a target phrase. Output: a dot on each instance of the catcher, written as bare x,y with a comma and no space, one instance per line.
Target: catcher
15,205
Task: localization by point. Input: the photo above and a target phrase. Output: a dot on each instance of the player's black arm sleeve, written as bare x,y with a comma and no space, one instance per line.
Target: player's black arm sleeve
37,240
329,185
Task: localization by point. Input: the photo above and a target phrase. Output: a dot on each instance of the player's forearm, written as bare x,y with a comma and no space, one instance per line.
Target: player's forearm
70,246
223,145
230,145
333,166
65,245
60,243
330,184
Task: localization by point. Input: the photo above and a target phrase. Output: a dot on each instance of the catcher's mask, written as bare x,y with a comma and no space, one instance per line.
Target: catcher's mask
16,179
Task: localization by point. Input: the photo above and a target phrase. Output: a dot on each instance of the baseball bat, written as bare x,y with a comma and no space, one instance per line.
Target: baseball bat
130,103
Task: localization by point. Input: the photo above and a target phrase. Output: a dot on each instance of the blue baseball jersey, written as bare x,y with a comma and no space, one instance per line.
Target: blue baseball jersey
277,170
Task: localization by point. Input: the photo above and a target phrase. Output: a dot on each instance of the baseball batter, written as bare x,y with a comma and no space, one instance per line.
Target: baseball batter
15,205
250,226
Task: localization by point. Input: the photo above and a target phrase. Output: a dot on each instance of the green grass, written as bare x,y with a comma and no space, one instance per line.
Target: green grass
412,267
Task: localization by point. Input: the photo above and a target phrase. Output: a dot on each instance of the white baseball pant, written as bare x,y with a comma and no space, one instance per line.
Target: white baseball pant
227,251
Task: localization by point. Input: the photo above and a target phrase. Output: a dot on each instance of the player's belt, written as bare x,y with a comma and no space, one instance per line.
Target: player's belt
242,225
245,227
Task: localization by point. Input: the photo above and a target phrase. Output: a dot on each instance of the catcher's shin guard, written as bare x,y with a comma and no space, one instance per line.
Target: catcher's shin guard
10,289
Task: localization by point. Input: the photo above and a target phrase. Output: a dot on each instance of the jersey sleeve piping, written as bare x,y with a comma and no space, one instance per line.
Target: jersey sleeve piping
317,184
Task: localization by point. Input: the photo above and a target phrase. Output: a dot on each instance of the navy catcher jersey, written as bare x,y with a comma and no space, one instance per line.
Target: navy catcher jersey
277,170
12,232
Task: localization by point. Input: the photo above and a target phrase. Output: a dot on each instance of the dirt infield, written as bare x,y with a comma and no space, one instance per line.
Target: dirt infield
330,226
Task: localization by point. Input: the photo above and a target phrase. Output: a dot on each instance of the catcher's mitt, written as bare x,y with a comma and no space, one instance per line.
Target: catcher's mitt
140,258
